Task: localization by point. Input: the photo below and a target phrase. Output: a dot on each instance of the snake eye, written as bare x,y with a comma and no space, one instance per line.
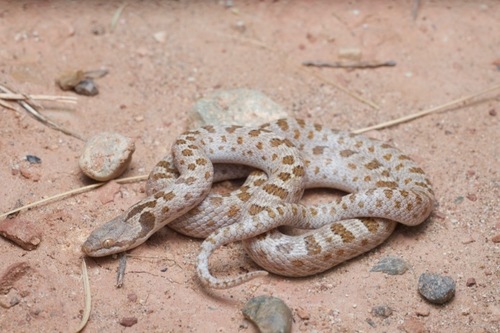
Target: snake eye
107,243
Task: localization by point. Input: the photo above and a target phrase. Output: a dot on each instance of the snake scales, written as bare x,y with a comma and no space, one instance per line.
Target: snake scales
384,185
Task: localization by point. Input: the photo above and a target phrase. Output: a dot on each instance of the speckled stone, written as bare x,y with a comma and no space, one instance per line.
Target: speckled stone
391,265
269,314
437,289
106,156
243,107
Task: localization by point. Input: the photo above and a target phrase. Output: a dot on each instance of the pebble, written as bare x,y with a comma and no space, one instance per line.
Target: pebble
30,172
413,325
235,107
132,297
86,87
24,233
470,282
106,156
496,239
437,289
383,311
12,274
391,265
128,321
422,311
9,300
269,314
160,36
303,313
32,159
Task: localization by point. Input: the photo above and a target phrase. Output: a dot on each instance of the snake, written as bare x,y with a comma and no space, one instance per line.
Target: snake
384,187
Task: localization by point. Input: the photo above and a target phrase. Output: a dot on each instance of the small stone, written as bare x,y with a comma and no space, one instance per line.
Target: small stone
12,274
383,311
470,282
492,112
413,325
422,312
86,87
24,233
496,239
98,30
9,300
436,288
468,240
269,314
132,297
30,172
496,63
472,197
240,26
391,265
106,156
370,322
303,314
128,321
160,36
235,107
32,159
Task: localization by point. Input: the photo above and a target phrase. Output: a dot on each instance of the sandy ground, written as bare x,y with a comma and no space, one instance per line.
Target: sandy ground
447,52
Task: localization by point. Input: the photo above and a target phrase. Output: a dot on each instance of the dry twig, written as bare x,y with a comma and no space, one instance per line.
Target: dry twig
71,192
304,71
32,111
88,297
16,97
350,64
425,112
121,270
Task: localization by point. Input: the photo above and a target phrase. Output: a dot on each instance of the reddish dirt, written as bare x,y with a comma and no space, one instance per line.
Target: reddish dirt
447,52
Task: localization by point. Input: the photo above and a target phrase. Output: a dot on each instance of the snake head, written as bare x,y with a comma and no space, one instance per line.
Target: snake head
112,237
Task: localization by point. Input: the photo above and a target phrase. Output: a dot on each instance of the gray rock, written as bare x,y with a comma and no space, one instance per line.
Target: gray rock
86,87
437,289
391,265
106,156
269,314
235,107
383,311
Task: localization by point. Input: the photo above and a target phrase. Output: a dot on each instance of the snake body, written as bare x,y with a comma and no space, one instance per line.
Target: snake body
385,187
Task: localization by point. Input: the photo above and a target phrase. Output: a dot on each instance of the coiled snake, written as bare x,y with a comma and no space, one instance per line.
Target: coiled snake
385,187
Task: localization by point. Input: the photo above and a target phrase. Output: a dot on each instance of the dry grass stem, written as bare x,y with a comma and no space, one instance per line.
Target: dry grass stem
426,112
72,192
16,97
88,298
32,111
304,71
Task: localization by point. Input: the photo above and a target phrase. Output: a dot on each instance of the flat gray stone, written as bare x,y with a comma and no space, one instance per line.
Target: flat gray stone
391,265
243,107
383,311
269,314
